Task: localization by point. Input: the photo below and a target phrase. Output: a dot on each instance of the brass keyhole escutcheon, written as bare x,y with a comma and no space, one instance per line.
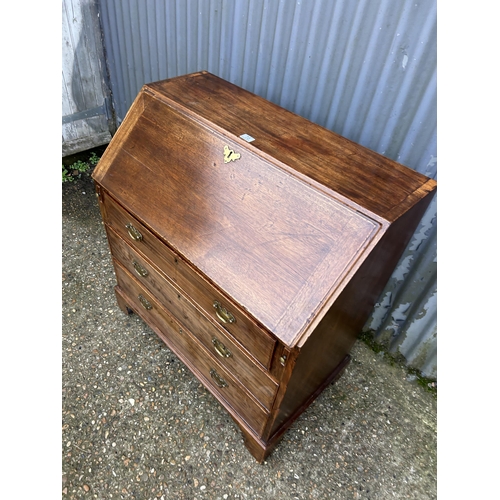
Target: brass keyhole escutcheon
230,155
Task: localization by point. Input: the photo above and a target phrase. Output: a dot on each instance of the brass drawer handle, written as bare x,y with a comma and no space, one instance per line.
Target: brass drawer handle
221,349
217,378
145,302
133,232
223,314
141,271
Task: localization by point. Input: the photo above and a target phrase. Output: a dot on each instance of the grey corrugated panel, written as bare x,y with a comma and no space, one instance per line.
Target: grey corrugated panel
405,317
365,69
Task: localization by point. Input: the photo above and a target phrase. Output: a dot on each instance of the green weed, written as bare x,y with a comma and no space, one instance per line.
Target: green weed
79,168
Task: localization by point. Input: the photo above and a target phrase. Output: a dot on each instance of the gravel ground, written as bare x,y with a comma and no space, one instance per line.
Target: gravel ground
136,424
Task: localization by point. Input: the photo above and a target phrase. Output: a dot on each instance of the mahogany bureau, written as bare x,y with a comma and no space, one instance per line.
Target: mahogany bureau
252,241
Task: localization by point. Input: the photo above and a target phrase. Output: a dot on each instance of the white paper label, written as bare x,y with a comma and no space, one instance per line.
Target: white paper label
247,137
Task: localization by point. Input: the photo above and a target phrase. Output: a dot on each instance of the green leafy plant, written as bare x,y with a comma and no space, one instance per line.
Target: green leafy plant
78,168
94,159
66,177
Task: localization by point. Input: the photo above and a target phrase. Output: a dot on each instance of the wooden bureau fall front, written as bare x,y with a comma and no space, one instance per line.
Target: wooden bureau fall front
252,241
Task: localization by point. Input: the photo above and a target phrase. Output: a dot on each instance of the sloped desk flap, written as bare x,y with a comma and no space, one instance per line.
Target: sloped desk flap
276,245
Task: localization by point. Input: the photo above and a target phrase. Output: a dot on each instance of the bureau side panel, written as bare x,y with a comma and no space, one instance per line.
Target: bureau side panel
119,139
327,347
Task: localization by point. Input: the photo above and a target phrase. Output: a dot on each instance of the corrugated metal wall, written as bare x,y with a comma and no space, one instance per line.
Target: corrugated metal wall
365,69
86,112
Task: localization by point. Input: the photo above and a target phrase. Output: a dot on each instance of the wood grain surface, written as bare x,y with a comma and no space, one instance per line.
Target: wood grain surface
240,361
292,237
368,178
274,244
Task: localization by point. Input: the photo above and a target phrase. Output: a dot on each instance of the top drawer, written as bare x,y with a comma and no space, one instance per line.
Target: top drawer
215,304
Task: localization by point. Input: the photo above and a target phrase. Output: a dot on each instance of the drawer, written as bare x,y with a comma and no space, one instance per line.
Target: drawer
209,299
232,355
203,364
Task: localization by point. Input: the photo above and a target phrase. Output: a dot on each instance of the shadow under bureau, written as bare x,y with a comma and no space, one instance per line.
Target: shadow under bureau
252,241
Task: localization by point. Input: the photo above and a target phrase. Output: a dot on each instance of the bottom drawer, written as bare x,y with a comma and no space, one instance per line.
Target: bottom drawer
203,365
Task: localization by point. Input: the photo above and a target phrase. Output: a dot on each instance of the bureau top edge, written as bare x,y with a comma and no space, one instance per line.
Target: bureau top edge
281,230
380,186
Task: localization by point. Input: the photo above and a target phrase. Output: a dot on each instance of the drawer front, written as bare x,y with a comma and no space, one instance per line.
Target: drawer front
207,369
212,302
232,356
